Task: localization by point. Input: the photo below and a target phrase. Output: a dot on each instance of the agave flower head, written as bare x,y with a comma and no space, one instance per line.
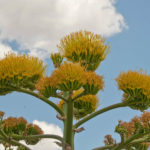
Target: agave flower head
19,70
85,105
85,47
46,86
69,76
136,88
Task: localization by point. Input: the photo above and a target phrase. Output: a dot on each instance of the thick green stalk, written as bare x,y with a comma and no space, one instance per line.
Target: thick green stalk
68,124
96,113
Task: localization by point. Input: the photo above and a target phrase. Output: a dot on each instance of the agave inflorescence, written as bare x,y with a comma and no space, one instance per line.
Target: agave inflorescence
85,47
136,87
19,126
47,86
69,76
137,125
19,70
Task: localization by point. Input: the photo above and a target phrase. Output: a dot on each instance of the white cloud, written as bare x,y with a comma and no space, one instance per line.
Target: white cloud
45,144
4,49
39,25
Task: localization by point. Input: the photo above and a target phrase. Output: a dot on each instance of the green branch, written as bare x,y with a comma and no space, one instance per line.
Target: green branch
44,99
141,140
136,139
129,140
96,113
51,136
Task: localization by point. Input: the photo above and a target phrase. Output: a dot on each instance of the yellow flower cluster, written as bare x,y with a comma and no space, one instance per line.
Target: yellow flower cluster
14,68
134,80
85,47
69,76
85,105
136,86
94,82
46,86
90,99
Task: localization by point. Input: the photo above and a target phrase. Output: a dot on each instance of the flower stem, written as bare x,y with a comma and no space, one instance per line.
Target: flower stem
96,113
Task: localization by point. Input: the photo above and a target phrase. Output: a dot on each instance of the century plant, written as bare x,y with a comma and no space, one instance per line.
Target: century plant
76,84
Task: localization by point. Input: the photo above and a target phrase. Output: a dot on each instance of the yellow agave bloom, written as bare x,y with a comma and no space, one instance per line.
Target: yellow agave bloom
85,105
20,68
94,83
69,76
85,47
46,86
136,86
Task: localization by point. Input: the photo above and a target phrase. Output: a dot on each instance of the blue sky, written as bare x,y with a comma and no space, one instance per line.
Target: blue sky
129,38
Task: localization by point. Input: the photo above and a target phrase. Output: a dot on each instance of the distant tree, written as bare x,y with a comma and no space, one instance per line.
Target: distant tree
75,83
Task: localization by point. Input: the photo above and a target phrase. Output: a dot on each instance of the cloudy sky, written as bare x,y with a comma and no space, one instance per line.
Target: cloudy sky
36,26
